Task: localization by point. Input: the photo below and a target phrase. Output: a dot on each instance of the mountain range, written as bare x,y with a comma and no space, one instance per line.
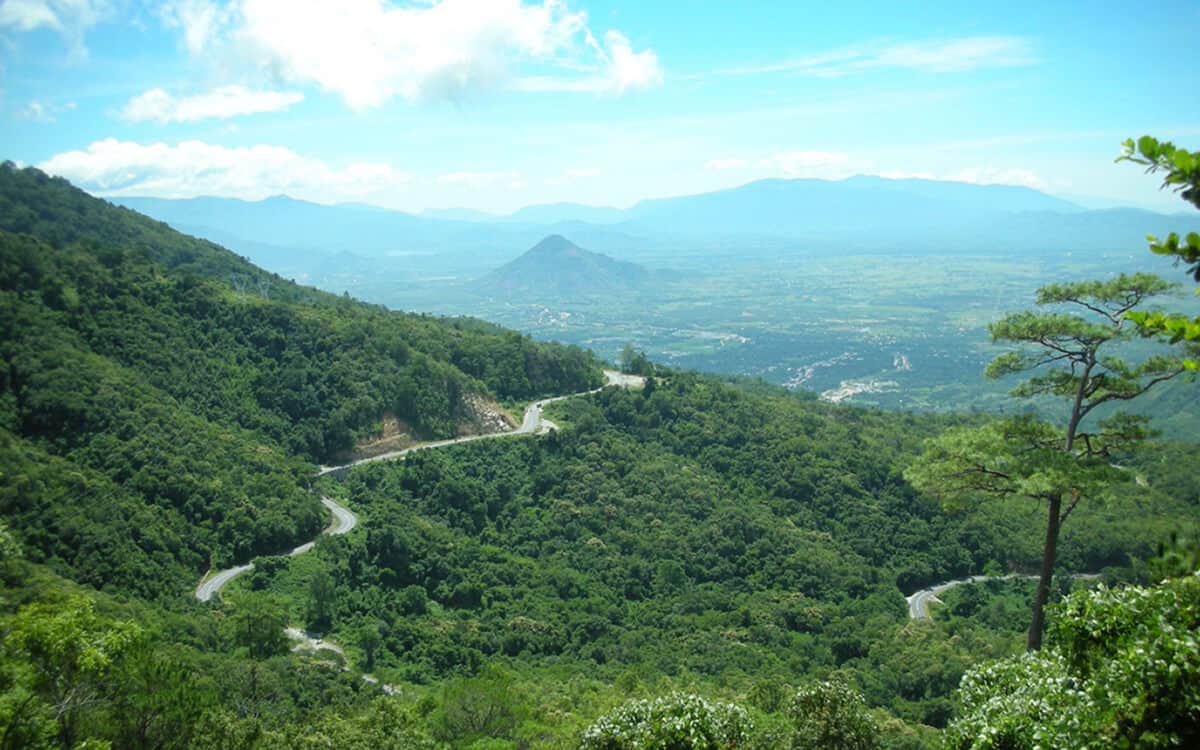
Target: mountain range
859,213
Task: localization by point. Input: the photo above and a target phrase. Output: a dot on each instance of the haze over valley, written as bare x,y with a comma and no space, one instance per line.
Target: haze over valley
788,281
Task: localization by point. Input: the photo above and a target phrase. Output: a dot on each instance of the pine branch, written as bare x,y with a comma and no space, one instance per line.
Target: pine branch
1116,396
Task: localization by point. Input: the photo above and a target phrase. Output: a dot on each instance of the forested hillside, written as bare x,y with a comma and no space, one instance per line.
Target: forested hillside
692,529
695,555
162,375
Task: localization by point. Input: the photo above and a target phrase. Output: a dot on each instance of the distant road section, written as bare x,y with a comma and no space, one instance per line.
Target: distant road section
531,423
209,587
918,603
344,519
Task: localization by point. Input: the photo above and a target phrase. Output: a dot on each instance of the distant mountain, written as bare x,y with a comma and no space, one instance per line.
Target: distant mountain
268,229
287,222
788,207
871,214
554,213
557,267
848,208
860,214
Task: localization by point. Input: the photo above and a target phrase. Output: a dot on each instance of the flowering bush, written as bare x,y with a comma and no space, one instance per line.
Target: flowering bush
1025,702
831,715
679,721
1122,670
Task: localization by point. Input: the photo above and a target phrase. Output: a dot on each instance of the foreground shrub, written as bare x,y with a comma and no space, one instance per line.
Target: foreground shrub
679,721
1122,670
831,716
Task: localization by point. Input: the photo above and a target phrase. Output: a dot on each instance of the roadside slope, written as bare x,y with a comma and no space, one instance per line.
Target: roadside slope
344,519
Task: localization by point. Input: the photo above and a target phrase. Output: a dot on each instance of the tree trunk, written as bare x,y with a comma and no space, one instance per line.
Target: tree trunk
1043,589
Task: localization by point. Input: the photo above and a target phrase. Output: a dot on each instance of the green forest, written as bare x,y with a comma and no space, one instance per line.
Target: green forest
694,563
157,421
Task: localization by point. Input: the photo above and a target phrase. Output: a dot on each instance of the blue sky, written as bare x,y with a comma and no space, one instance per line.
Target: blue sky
496,104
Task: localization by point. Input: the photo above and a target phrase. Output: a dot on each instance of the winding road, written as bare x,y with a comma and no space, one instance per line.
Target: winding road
344,519
918,603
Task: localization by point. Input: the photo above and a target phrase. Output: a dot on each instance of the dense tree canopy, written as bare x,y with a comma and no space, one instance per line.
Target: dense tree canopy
155,418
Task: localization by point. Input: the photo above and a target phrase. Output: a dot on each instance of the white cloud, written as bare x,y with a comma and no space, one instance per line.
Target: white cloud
27,15
618,70
999,176
573,175
36,111
221,103
956,55
626,69
823,164
370,51
199,20
192,168
70,18
40,111
942,56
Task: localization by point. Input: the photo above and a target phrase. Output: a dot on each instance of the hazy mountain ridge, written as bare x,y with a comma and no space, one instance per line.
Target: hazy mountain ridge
859,213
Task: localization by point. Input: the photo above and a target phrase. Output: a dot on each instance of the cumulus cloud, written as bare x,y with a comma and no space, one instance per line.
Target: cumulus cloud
221,103
371,51
192,168
625,69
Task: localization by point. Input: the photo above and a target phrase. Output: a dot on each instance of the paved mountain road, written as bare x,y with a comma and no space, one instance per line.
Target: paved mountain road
531,423
344,519
918,603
